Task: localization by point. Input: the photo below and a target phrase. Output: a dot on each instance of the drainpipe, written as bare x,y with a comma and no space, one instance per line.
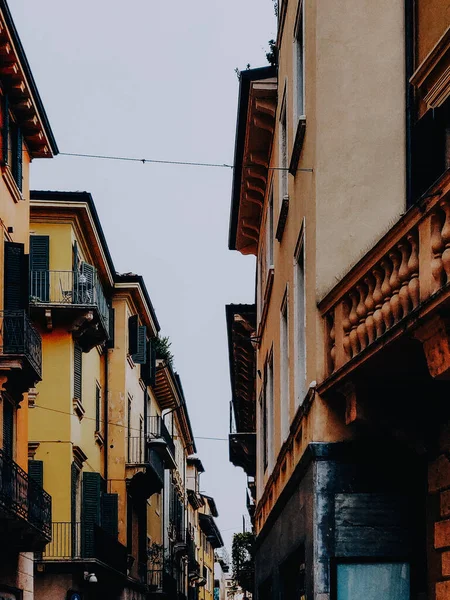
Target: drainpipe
106,416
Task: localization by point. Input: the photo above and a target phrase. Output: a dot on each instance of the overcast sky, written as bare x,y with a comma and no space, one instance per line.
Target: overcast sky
155,79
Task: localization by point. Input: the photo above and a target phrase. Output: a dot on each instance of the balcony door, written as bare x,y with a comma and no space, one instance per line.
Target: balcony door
39,268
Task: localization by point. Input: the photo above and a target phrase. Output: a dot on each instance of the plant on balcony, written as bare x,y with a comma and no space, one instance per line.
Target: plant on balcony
243,559
272,55
162,348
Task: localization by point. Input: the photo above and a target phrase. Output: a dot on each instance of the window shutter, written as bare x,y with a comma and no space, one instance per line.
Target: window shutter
8,428
77,372
18,158
5,128
111,325
36,471
97,407
90,512
133,325
110,514
39,266
13,284
140,356
75,256
86,289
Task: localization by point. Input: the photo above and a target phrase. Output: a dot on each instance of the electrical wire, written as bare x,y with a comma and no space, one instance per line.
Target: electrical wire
168,162
63,412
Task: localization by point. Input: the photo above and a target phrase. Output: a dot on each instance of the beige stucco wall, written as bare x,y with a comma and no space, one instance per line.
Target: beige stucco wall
359,127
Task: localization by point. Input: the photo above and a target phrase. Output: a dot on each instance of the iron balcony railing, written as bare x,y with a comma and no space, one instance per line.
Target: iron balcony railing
23,497
74,541
140,454
155,579
69,288
18,337
156,428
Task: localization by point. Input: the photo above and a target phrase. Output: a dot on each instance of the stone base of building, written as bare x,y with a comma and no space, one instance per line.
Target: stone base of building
352,503
16,576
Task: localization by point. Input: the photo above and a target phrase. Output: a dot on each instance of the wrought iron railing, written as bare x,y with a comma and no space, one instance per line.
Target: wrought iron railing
155,579
19,337
156,428
78,541
23,497
69,287
139,453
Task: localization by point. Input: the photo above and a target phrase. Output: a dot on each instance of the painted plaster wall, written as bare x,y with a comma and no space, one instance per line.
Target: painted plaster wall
433,18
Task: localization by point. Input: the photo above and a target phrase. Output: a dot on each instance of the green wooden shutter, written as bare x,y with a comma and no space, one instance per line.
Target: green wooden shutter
8,428
133,324
75,256
13,284
18,158
140,356
77,372
39,267
90,512
111,324
5,128
36,471
110,514
86,288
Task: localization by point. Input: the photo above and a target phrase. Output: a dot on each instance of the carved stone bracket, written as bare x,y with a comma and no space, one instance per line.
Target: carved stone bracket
355,403
435,337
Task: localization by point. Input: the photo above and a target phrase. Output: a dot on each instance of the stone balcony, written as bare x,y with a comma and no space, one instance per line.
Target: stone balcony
400,287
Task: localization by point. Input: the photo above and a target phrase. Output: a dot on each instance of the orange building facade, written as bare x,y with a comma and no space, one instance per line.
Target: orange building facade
339,368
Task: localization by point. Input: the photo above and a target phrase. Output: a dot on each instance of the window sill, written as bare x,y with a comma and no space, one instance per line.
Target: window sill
266,301
78,408
11,184
99,438
298,146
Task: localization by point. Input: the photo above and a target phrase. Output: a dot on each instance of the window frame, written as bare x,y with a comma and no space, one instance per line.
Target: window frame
283,151
284,366
300,387
371,560
299,38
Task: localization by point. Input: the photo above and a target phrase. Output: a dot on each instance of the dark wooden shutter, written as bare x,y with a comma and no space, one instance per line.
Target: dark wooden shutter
8,428
133,324
75,256
97,408
36,471
14,294
90,512
5,128
110,514
77,372
111,324
86,289
18,158
39,267
140,356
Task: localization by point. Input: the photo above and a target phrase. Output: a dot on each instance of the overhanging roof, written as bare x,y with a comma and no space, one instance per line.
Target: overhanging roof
18,82
254,135
241,324
210,529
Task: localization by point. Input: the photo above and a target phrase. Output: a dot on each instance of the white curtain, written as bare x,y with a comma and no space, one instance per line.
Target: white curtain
380,581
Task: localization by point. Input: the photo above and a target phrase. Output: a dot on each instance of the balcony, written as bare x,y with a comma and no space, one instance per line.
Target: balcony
397,294
25,509
74,542
159,438
146,468
242,447
20,349
68,297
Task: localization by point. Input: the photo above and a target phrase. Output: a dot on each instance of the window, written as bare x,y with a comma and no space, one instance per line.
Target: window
77,372
263,429
300,324
98,407
129,428
372,581
269,233
284,367
283,151
12,144
269,412
141,438
299,62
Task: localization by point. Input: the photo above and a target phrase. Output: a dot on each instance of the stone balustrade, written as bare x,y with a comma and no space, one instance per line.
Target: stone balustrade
400,279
